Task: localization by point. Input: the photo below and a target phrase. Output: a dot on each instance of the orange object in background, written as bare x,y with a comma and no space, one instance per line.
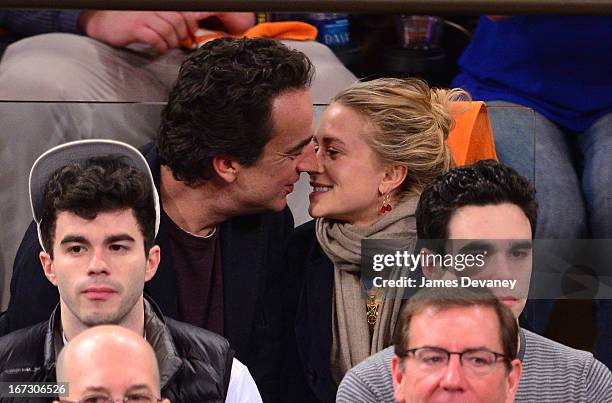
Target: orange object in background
471,139
292,30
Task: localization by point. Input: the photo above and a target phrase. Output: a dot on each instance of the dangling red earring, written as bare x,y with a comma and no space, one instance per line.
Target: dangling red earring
386,206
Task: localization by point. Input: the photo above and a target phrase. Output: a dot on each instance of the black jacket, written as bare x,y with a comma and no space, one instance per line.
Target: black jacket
251,253
195,364
307,299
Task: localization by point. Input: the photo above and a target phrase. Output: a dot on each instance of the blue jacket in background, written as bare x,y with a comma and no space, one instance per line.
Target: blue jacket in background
561,66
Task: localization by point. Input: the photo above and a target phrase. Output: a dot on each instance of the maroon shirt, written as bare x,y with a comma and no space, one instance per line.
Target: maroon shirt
199,278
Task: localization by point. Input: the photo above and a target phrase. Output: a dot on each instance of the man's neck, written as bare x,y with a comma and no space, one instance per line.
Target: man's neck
72,326
518,344
196,209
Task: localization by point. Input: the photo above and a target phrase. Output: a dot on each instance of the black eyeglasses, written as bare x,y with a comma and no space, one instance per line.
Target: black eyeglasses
131,398
479,362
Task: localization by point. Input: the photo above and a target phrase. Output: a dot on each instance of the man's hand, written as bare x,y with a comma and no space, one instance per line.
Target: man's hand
162,30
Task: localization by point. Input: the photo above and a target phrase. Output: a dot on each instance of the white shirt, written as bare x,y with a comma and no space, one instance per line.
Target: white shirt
242,388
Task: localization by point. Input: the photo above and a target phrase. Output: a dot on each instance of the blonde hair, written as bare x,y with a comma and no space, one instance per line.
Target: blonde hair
411,123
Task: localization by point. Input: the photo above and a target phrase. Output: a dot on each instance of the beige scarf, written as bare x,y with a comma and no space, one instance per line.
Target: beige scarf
351,341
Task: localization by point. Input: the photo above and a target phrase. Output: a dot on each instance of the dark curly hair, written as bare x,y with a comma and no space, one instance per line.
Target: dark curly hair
482,183
99,184
221,103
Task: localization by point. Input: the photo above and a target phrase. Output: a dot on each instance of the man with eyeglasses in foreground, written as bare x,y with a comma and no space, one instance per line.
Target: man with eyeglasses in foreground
456,345
107,363
491,203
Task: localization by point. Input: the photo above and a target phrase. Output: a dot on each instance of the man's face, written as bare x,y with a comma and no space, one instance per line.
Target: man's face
115,372
99,267
265,185
455,330
503,233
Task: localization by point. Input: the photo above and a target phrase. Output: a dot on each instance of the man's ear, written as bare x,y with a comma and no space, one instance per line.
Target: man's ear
397,374
428,264
153,258
394,176
47,266
226,167
513,379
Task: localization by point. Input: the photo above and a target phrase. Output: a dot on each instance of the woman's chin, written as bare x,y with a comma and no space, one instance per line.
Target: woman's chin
317,211
314,213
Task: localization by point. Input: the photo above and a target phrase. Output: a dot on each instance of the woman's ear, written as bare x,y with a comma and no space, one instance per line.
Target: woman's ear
394,177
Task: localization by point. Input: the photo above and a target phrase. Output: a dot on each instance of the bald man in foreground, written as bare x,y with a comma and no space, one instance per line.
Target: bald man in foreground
109,362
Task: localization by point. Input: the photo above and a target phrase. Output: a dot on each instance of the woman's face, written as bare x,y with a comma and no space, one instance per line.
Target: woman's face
346,185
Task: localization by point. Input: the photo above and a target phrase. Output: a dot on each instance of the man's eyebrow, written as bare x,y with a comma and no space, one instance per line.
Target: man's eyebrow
99,389
475,348
74,238
476,244
119,238
522,244
298,147
138,387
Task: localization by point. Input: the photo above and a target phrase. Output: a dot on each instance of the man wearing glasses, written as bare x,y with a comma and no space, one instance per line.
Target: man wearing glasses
107,363
456,345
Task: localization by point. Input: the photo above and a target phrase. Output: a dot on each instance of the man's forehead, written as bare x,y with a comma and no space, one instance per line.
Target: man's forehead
490,221
102,215
491,245
291,117
454,324
104,224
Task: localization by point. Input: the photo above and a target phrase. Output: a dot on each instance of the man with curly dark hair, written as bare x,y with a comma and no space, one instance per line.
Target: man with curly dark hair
494,208
97,212
234,137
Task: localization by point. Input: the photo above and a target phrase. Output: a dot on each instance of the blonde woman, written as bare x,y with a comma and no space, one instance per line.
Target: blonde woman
379,144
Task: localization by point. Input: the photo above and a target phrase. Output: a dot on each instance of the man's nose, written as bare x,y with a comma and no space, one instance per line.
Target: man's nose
453,376
308,159
499,267
97,263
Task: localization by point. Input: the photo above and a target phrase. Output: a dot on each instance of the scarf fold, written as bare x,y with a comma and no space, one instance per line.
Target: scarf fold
341,242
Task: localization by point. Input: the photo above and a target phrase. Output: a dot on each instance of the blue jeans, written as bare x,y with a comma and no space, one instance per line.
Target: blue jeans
572,173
